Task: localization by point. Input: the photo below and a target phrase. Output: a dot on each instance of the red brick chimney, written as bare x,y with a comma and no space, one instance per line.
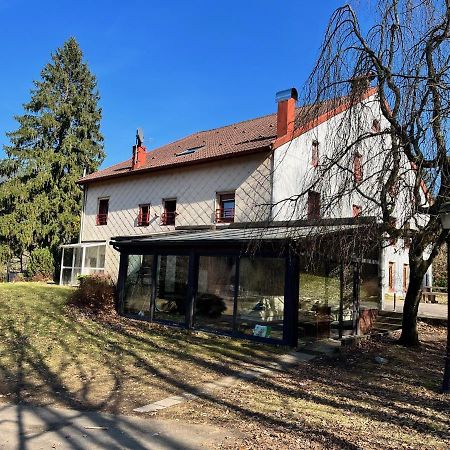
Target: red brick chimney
139,151
286,111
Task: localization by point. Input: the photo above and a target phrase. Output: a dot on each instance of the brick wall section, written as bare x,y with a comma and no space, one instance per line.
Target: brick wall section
194,188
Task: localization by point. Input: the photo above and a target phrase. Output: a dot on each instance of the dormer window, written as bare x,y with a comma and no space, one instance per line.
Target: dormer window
315,153
225,211
189,151
144,215
170,212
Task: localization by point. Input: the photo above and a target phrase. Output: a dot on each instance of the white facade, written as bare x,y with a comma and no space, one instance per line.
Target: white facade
264,186
295,173
195,189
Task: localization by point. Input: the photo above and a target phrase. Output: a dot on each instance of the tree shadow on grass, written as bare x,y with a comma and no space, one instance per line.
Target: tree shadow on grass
155,358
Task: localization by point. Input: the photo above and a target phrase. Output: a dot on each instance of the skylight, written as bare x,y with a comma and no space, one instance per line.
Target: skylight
189,151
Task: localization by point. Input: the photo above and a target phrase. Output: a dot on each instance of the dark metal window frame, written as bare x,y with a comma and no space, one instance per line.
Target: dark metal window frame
230,249
290,293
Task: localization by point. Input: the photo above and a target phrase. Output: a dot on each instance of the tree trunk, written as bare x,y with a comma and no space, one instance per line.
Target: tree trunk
410,336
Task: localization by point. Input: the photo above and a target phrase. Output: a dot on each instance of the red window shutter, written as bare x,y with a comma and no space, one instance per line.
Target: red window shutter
102,215
405,277
357,168
391,276
357,210
144,216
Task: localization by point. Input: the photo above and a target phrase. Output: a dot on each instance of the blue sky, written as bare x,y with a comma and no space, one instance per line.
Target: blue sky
171,67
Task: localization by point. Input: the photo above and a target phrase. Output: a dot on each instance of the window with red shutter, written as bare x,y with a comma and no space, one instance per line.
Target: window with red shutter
376,126
405,277
357,168
391,285
356,209
170,212
102,214
225,211
144,215
313,205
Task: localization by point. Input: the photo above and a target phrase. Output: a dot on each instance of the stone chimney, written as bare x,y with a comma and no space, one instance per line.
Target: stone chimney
139,151
286,111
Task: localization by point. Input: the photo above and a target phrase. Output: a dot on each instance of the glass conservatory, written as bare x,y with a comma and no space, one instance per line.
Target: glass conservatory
244,284
81,259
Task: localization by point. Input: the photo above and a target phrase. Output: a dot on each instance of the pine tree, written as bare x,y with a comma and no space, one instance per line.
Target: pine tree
58,137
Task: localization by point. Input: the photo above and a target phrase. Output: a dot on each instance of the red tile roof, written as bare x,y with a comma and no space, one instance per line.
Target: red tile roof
238,139
242,138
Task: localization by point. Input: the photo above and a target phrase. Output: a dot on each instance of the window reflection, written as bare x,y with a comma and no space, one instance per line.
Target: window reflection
138,285
215,295
260,308
172,288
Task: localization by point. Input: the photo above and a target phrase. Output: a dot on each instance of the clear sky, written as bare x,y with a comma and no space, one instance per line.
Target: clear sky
169,67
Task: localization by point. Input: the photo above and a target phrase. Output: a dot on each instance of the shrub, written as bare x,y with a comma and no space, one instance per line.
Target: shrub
41,265
96,295
19,277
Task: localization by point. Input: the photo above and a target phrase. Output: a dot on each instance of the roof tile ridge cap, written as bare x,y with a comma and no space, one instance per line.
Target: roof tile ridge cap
181,139
238,123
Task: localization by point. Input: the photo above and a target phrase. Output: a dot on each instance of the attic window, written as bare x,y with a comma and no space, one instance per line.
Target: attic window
189,151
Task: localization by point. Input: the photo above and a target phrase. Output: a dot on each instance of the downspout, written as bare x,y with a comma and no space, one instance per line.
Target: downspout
271,175
83,207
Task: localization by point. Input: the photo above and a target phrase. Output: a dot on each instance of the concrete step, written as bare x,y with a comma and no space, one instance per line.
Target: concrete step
390,314
384,326
394,326
387,319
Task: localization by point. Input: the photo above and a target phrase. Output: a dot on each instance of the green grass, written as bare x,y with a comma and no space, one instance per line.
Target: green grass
49,354
347,402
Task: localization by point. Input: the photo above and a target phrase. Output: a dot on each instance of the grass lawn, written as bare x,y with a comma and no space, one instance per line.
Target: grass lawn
50,355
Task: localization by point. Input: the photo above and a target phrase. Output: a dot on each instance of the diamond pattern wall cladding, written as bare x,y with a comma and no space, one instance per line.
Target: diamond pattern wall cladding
195,189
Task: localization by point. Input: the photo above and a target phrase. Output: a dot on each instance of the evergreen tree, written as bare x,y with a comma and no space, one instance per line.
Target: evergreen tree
58,137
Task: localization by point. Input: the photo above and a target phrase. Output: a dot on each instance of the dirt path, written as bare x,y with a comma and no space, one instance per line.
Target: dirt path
28,427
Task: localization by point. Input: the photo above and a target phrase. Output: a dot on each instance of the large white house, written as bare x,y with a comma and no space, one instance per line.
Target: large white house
176,227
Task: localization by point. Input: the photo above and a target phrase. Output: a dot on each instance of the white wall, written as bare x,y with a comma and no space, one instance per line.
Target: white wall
194,187
398,255
294,175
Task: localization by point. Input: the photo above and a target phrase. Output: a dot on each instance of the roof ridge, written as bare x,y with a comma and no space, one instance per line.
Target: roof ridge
237,123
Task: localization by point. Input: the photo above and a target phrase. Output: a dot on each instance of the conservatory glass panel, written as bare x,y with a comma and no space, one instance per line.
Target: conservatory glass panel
260,308
138,285
215,294
171,288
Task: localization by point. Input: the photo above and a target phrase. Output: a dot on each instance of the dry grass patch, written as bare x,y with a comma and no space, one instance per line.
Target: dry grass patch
52,354
346,402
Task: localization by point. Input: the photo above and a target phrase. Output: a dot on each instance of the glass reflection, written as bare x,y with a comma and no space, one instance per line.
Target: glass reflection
260,308
215,295
138,285
171,288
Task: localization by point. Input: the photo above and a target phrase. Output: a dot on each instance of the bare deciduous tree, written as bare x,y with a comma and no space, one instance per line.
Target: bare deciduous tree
405,56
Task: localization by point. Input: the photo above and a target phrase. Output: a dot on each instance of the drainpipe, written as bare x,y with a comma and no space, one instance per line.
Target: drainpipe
83,206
